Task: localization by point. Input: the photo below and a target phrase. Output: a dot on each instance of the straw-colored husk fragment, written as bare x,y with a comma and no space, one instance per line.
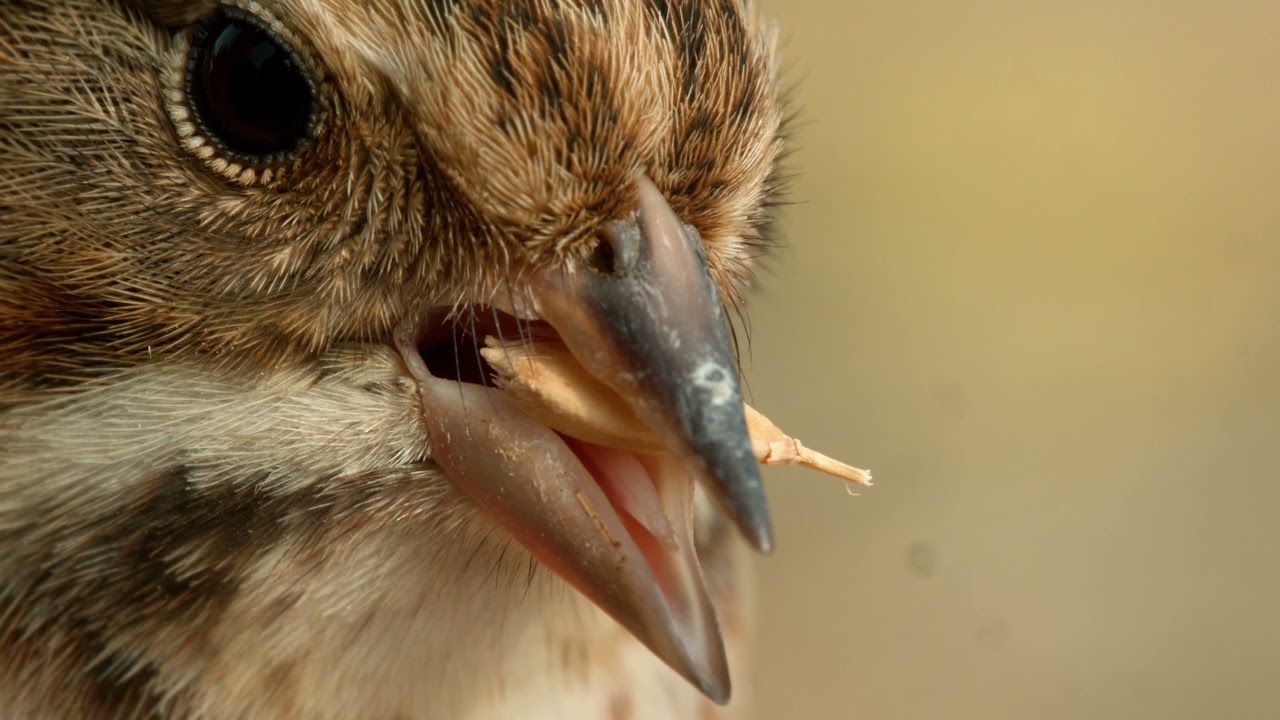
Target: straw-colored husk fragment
545,381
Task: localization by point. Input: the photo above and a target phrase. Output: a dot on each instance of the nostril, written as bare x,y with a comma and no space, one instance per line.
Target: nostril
617,249
602,257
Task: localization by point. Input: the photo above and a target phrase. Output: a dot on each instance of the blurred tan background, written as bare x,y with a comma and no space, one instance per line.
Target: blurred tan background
1034,284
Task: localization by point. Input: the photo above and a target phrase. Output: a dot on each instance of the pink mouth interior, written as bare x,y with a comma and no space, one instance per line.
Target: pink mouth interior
615,524
632,486
653,497
651,494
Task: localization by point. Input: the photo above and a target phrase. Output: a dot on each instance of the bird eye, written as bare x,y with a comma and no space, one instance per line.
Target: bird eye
250,92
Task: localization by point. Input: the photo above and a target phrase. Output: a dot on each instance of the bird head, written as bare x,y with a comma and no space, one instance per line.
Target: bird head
247,188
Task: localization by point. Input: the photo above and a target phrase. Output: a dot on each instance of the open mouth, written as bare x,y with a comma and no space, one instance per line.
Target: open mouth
617,524
581,421
635,483
644,329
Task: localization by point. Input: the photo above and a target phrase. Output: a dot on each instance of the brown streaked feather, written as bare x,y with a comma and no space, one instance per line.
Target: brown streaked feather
216,499
176,13
398,198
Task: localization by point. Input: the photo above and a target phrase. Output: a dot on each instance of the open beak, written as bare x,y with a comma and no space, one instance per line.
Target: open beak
651,326
645,321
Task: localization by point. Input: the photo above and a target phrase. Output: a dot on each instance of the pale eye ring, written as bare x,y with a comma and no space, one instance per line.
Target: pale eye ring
251,95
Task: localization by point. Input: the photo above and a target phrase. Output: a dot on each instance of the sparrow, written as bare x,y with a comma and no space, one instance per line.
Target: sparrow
252,463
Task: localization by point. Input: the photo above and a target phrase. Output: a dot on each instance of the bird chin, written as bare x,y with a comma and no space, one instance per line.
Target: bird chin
615,524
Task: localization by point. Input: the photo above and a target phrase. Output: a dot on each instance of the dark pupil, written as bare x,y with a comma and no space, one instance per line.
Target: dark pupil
250,93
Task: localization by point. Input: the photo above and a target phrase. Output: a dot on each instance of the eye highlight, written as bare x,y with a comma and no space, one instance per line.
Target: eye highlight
250,93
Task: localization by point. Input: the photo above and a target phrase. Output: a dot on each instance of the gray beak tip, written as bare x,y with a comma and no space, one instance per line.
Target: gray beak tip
759,533
745,504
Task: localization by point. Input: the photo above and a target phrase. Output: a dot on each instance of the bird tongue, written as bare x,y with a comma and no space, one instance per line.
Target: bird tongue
653,497
635,486
616,525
